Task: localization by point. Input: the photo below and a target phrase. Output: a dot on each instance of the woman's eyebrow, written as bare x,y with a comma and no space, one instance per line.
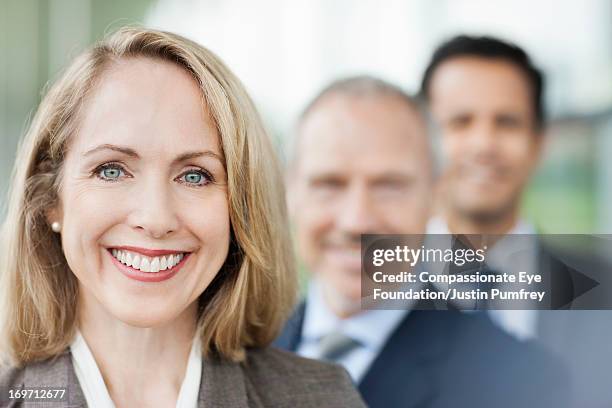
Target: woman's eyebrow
125,150
132,153
192,155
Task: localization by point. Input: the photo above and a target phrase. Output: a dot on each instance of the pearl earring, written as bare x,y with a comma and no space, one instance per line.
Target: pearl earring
56,226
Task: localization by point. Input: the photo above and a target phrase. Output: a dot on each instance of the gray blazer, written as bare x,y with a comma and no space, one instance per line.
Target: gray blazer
267,378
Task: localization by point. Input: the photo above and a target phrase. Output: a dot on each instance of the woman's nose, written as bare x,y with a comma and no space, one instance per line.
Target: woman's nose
154,212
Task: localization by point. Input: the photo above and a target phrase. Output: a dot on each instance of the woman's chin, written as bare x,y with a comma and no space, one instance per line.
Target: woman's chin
144,315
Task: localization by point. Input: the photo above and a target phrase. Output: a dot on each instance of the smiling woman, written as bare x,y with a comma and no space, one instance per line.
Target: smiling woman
146,251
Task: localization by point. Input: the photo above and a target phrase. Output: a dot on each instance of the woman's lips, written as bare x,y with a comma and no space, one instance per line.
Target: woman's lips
149,252
141,276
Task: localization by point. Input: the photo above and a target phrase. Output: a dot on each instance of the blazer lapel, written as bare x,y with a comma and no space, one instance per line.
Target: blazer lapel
56,373
289,339
404,372
222,385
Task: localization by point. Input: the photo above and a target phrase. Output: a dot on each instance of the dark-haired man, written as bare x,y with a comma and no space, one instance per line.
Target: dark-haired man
485,97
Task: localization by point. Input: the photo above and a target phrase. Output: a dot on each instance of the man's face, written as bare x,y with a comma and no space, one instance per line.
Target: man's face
489,139
362,166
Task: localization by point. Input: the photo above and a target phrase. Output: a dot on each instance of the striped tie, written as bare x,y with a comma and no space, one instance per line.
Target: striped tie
335,345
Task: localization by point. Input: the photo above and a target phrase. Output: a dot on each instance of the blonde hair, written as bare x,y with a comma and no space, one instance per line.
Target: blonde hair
252,294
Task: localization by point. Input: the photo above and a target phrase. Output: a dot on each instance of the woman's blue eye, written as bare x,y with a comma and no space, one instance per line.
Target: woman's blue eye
195,177
110,173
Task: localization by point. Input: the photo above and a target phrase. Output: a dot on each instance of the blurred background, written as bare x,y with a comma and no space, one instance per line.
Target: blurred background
285,51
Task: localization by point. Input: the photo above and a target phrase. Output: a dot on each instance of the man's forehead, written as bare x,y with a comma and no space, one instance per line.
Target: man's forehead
360,124
345,105
479,81
363,171
373,135
348,154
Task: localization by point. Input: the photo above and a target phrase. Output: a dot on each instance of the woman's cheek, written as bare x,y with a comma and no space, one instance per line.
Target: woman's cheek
205,212
89,212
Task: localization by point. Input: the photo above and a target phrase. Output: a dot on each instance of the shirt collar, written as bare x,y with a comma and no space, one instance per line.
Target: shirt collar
95,391
438,225
89,376
371,328
509,250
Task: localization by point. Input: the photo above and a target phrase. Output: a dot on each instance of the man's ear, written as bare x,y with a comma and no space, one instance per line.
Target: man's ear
540,140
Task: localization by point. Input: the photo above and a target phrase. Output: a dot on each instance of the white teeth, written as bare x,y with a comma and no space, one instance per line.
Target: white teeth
146,264
155,265
136,262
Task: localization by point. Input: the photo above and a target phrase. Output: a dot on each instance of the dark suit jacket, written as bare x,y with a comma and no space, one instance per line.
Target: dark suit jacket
438,359
581,337
267,378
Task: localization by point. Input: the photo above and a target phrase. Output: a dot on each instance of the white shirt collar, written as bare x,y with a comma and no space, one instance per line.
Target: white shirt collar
371,328
521,252
438,225
498,255
95,391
